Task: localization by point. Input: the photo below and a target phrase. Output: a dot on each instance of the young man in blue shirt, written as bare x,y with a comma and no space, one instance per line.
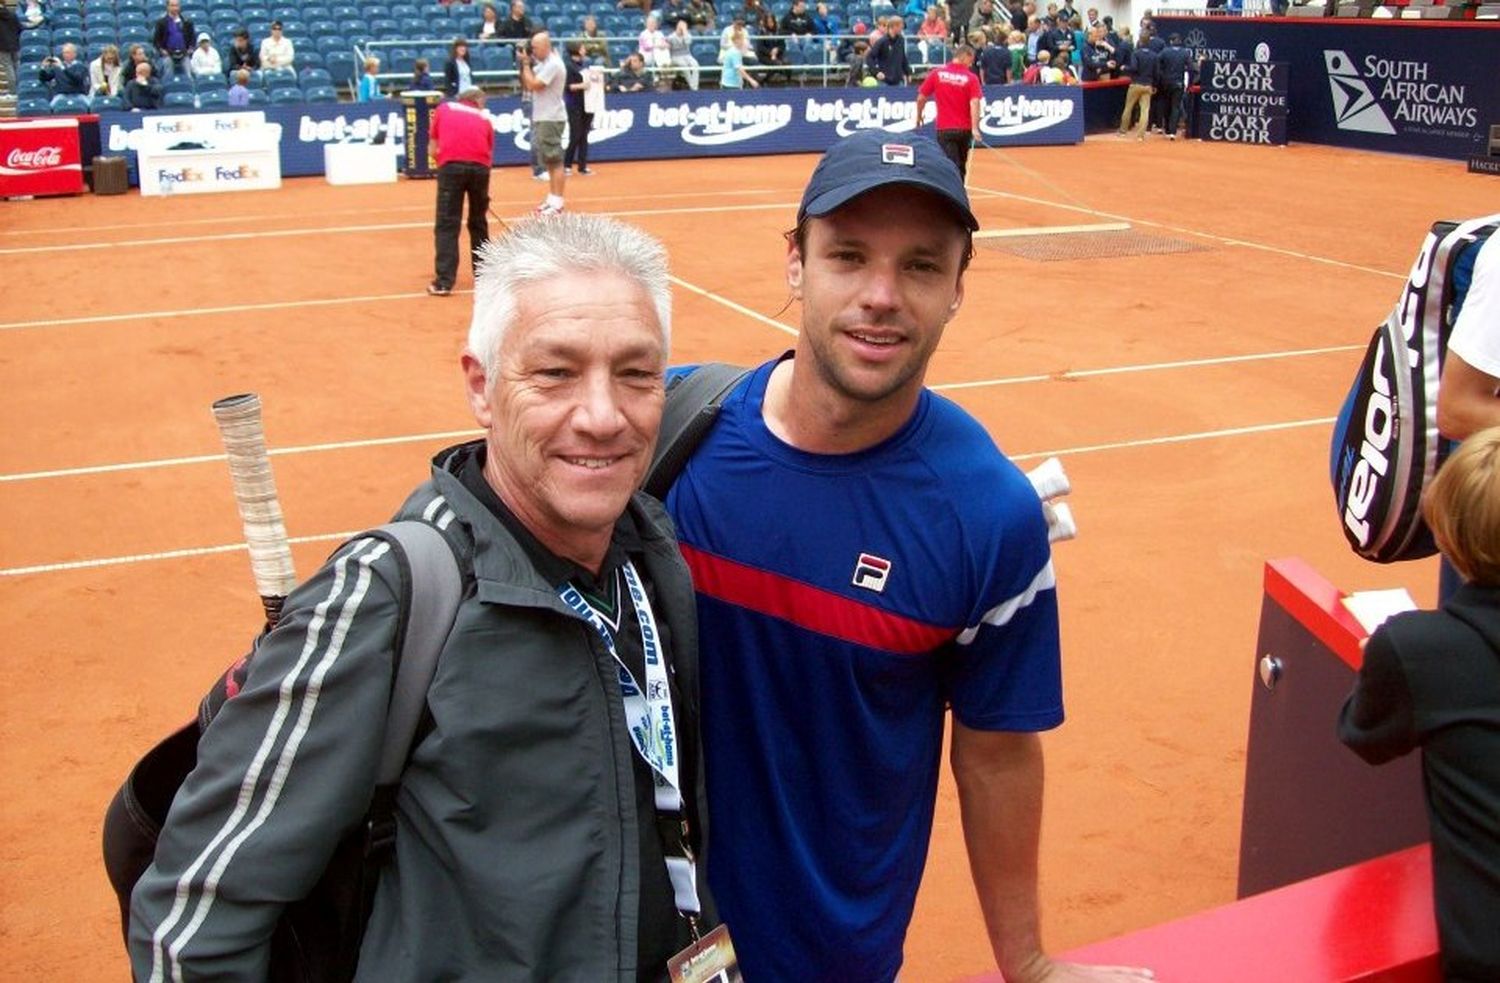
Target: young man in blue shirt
866,558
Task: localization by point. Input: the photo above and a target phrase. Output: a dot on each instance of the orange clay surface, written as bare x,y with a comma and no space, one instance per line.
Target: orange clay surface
123,318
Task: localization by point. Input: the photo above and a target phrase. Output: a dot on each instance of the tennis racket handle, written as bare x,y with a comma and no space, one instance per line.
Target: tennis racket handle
239,421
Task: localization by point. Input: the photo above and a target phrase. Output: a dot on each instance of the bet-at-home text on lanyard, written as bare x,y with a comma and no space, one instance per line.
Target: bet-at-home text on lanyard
648,714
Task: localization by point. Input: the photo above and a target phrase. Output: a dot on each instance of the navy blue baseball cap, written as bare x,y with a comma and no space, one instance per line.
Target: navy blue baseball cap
871,159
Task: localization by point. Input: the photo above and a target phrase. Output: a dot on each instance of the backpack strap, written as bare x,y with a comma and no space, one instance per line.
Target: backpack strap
436,590
693,402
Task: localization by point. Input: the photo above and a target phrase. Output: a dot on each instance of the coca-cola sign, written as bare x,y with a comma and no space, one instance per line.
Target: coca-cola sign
39,159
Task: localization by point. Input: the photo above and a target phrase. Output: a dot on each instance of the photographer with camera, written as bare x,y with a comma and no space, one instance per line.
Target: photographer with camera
67,77
543,75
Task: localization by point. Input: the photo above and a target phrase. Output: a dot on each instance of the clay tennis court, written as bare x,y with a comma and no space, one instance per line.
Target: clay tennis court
1188,393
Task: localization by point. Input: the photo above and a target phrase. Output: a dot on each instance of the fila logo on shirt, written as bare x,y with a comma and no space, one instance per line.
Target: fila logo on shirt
897,153
870,572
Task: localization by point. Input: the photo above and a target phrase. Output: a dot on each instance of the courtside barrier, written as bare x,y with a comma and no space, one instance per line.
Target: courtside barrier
657,125
1411,87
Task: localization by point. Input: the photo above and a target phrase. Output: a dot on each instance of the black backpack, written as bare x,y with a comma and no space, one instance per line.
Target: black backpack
317,939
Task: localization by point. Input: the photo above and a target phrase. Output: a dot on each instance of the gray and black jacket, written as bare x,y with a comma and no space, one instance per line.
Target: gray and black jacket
517,829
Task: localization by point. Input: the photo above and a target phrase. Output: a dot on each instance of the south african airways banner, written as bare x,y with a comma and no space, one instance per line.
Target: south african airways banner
669,125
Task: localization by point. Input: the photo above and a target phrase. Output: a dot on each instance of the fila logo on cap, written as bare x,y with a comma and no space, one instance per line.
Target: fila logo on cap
870,571
898,153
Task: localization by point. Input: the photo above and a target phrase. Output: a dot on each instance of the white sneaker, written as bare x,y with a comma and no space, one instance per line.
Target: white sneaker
540,177
547,208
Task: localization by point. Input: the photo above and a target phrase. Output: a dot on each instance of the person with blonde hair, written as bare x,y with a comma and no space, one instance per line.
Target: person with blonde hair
106,74
369,82
1431,680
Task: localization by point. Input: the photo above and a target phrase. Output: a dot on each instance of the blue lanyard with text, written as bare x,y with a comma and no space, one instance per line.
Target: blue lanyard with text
648,715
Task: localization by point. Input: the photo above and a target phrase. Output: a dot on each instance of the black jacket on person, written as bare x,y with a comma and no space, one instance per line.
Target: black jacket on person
66,80
1145,67
450,76
794,23
887,56
138,96
1431,680
1095,61
1176,61
516,30
993,64
10,30
189,35
247,59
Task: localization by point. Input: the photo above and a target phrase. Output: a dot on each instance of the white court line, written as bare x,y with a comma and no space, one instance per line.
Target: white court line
1174,439
1145,367
737,308
1225,240
276,216
59,322
170,462
328,537
174,462
360,229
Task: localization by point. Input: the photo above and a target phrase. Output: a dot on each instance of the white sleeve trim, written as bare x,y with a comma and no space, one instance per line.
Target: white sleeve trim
1002,613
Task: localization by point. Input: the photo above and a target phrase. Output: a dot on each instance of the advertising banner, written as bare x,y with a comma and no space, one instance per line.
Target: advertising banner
658,125
1412,87
40,157
1243,102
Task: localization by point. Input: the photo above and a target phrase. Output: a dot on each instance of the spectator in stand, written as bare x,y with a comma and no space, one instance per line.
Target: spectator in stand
369,82
993,60
239,92
1019,16
645,42
985,16
518,27
701,15
770,50
463,142
241,54
642,5
934,26
1176,75
143,92
1061,40
726,36
798,21
66,76
859,64
489,23
1033,73
1124,49
825,24
632,75
752,11
1145,75
32,16
544,76
106,74
1430,680
680,55
276,51
10,46
457,76
580,120
1091,18
960,12
206,62
421,75
595,49
955,89
669,13
1098,60
173,39
1034,34
733,75
887,55
136,56
1016,45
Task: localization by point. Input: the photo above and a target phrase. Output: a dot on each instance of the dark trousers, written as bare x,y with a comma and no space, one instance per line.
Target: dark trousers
455,180
579,124
955,144
1173,96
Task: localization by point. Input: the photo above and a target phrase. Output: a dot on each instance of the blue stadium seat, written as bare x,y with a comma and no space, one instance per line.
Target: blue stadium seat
322,28
66,35
255,13
101,17
314,76
352,26
307,58
285,12
259,30
108,103
213,98
400,10
179,100
258,97
340,65
31,52
345,13
32,89
286,96
398,60
279,78
386,29
66,18
706,51
101,35
178,83
314,11
33,106
321,93
413,27
331,44
377,10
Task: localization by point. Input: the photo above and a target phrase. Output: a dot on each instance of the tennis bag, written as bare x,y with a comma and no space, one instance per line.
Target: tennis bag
1386,446
317,938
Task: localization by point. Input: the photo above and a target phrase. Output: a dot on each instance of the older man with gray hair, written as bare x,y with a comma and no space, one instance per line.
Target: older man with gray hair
549,814
544,75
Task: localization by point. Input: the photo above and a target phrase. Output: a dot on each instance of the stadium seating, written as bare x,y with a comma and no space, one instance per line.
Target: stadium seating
213,98
108,103
321,93
33,107
286,96
179,100
340,65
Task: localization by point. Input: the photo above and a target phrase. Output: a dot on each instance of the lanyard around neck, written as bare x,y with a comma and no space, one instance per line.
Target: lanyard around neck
652,725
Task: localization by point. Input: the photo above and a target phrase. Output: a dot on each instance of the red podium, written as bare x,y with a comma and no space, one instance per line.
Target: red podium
40,157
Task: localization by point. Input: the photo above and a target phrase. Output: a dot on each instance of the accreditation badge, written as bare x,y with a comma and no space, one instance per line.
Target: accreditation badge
709,960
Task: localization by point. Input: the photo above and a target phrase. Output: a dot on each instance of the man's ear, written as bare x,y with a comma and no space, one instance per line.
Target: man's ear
477,388
794,267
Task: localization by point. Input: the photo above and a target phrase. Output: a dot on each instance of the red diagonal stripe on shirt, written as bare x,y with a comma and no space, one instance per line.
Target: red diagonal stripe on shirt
809,607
